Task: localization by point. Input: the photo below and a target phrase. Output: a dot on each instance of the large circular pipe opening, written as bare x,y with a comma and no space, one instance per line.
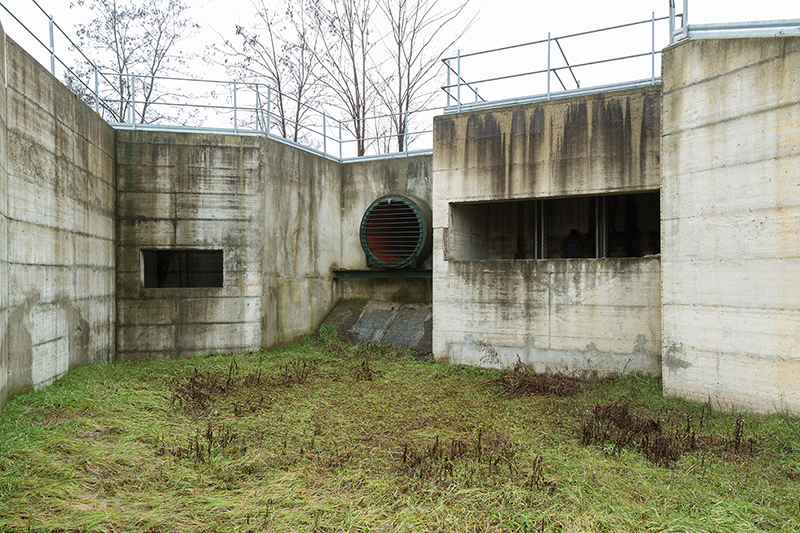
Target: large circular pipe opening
396,232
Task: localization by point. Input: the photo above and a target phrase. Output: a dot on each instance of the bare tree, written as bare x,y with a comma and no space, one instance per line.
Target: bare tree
128,40
279,51
345,29
414,56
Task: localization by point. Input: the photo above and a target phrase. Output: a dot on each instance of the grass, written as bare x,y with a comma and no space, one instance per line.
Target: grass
329,436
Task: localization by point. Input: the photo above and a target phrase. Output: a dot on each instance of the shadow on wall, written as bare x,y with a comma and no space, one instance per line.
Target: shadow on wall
44,341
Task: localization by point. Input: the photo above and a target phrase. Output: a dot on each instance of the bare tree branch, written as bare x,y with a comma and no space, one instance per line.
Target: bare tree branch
414,52
130,38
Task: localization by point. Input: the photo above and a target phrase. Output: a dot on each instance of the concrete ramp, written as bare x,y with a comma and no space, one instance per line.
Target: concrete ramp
406,325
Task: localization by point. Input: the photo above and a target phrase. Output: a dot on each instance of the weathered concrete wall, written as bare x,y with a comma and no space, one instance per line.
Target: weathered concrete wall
363,182
592,314
730,213
284,218
189,191
4,362
598,144
557,315
302,241
58,227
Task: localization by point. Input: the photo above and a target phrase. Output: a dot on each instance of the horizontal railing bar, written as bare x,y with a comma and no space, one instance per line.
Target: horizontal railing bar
553,96
541,41
734,29
553,69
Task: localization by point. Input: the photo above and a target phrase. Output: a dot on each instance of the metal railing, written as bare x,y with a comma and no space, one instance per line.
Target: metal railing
556,67
221,106
247,107
251,108
728,29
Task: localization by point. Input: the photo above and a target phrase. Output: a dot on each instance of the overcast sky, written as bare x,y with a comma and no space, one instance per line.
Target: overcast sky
496,23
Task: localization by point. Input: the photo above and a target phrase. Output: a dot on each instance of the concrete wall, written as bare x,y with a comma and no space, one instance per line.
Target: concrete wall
363,182
179,191
731,212
591,314
316,206
57,224
557,315
597,144
284,218
4,360
302,241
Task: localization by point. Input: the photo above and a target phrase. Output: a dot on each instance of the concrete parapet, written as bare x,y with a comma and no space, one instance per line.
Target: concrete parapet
731,198
596,144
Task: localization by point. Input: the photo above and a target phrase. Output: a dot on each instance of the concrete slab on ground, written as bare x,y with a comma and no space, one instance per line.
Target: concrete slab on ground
406,325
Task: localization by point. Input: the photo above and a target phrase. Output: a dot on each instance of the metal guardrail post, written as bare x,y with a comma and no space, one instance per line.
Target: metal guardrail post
133,100
671,21
448,82
258,108
96,92
269,107
548,65
324,135
407,138
52,48
685,18
340,140
458,93
235,114
653,47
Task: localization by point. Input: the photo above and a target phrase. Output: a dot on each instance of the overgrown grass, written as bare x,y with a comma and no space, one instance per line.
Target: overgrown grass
329,436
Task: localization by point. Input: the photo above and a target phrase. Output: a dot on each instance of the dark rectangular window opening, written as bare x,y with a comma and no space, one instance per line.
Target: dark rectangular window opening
181,268
624,225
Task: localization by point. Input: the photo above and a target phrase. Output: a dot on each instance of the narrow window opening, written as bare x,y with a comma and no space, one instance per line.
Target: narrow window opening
625,225
182,268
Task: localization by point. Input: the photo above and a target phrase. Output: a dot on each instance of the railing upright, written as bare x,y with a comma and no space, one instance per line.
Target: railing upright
458,92
258,108
52,48
235,114
653,47
324,135
449,68
269,106
406,139
671,21
96,91
685,18
548,65
133,100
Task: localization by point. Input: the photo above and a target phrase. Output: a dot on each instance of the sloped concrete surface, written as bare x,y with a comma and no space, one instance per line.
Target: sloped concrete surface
406,325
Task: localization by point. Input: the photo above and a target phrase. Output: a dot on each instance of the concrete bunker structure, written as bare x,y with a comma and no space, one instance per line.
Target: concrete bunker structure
650,229
510,187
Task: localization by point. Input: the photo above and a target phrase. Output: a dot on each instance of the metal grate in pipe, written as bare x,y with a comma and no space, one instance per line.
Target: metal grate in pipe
395,233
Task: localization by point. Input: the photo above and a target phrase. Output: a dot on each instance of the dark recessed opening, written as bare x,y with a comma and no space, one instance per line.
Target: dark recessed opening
624,225
182,268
